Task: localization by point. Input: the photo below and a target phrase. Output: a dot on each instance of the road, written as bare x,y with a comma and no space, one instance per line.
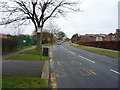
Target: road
75,68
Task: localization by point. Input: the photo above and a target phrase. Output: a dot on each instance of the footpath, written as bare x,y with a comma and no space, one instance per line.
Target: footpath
16,52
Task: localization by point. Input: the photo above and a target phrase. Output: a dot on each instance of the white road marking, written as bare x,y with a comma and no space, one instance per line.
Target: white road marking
86,59
114,71
65,49
71,52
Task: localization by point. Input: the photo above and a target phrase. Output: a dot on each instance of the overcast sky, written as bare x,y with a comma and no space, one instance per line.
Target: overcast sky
98,16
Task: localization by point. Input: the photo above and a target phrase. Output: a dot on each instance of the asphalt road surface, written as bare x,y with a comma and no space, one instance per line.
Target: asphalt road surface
75,68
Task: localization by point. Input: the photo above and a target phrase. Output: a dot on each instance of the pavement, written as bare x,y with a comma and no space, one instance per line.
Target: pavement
22,68
74,68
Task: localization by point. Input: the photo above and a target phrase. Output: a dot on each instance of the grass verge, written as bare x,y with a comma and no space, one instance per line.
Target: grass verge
23,82
27,57
31,51
50,44
99,51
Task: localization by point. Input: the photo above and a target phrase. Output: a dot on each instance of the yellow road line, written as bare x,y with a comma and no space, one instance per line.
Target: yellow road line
53,81
76,63
51,60
87,72
58,63
92,72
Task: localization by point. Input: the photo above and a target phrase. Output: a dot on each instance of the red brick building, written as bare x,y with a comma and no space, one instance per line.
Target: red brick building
4,36
111,37
93,37
118,33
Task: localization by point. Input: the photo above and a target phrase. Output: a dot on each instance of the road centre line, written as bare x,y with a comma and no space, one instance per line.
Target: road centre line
65,49
58,63
71,52
83,57
114,71
86,59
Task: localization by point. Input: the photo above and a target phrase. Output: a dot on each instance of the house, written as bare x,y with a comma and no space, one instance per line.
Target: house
100,37
112,37
118,34
87,37
4,36
93,37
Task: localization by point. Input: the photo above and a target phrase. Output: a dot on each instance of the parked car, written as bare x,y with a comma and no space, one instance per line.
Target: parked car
58,43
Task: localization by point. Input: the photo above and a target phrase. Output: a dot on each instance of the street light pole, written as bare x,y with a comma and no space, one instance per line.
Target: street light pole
40,31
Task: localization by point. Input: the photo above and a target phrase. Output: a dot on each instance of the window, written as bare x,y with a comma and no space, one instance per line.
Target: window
113,38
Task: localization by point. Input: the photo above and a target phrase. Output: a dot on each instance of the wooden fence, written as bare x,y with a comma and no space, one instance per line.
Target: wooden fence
9,45
113,45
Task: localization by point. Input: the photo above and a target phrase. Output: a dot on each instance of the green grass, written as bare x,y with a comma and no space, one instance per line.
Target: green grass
27,57
99,51
50,44
31,51
23,82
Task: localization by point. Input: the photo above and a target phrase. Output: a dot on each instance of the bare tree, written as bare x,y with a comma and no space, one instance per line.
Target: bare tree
61,35
37,11
52,28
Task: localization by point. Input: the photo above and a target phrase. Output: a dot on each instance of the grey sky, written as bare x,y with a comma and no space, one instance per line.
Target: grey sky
99,16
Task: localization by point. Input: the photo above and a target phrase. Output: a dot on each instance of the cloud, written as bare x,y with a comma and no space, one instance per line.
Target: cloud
99,16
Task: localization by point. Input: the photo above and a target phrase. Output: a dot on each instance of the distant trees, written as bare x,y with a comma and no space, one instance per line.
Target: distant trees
75,38
53,29
51,37
46,37
61,35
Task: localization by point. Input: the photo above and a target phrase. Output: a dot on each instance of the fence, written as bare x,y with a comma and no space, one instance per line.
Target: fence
113,45
9,44
23,41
